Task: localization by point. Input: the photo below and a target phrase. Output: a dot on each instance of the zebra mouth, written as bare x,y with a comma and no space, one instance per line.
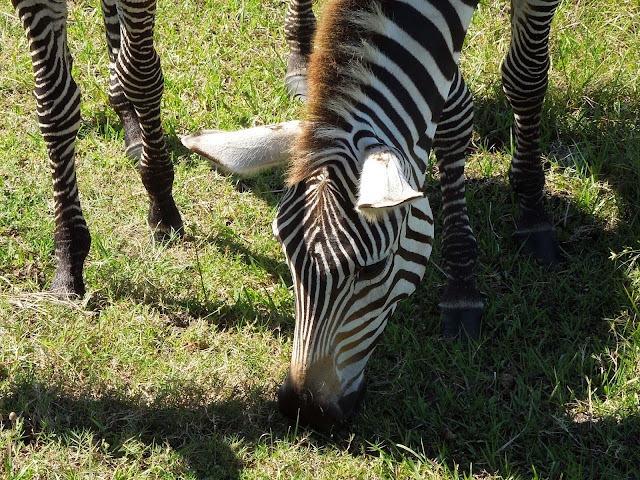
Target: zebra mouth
320,414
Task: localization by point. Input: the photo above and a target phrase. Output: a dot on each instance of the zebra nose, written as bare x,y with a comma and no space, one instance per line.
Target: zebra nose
315,411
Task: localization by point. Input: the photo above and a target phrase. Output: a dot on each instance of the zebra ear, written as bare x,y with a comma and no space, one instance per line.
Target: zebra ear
247,151
383,184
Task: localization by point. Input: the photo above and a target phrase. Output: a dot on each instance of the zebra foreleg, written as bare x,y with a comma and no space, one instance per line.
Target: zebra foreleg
58,106
299,29
117,99
140,75
525,79
461,304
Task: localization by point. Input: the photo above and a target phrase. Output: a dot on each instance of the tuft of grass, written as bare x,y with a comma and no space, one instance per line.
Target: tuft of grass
169,366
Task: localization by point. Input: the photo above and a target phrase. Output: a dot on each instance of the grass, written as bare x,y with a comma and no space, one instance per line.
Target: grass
169,366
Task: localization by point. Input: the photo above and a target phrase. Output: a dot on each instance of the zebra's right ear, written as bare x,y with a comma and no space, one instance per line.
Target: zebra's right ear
247,151
383,184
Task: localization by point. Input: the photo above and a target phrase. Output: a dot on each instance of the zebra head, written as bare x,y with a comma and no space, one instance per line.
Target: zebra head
355,247
356,236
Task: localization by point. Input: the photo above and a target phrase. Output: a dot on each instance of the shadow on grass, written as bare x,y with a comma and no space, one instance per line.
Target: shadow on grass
247,307
119,426
227,240
554,345
519,404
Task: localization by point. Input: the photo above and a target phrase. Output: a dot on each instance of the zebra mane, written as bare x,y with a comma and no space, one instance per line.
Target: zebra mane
336,69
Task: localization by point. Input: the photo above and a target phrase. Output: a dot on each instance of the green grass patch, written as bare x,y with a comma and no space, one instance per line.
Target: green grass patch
170,365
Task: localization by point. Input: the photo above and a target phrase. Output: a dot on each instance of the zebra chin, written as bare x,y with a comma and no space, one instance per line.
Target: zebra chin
318,411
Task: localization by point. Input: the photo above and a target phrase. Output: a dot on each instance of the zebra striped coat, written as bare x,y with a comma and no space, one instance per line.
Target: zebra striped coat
136,87
356,229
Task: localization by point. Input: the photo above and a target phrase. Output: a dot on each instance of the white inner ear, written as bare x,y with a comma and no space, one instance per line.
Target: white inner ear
248,151
383,184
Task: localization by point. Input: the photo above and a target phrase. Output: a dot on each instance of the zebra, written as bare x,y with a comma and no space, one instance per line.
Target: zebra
135,91
355,225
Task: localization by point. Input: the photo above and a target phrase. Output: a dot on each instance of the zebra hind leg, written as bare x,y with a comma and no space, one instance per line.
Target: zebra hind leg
461,305
299,28
525,79
139,73
58,106
117,98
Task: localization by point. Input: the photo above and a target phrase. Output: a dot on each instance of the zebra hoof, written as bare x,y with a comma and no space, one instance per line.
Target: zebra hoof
67,286
134,152
165,221
296,85
541,245
463,323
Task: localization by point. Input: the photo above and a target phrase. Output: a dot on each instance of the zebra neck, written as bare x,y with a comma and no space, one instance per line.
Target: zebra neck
383,67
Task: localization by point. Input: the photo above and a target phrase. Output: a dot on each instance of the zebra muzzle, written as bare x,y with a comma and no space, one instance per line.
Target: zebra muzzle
316,411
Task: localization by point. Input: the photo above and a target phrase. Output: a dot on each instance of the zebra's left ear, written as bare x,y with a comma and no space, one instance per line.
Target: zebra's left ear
383,184
247,151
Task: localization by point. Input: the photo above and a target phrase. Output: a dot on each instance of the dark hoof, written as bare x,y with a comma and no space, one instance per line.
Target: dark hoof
165,221
296,85
163,236
134,152
464,323
166,234
543,246
66,286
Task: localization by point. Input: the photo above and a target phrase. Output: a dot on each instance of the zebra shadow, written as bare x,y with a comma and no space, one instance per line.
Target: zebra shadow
516,404
131,431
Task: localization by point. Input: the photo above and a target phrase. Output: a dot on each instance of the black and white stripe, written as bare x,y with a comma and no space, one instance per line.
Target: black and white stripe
379,83
524,73
391,78
384,90
299,29
135,92
525,79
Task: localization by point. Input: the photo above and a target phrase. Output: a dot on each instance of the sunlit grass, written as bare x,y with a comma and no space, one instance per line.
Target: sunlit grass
169,366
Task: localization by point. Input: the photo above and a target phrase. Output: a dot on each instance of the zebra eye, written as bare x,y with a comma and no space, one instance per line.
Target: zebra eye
369,272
